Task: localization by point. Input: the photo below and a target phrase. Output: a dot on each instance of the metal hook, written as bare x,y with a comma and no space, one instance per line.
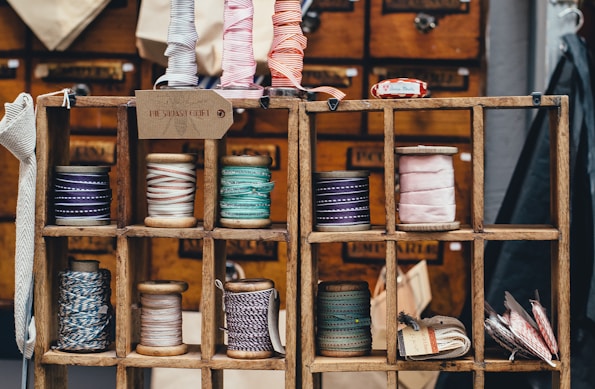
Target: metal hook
579,14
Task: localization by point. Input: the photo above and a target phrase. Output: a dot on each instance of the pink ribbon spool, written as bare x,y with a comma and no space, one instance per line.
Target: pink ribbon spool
426,186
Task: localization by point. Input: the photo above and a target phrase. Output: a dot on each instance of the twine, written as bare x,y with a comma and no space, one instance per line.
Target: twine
247,319
245,192
85,312
181,45
343,321
170,189
161,320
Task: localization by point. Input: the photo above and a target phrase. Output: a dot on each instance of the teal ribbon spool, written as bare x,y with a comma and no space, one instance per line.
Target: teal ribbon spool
245,200
343,319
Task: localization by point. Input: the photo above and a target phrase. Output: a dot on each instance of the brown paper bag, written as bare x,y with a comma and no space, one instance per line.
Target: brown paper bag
57,23
153,23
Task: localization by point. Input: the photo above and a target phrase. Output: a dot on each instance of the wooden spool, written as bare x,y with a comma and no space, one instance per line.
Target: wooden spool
427,150
343,286
246,160
242,286
170,222
161,287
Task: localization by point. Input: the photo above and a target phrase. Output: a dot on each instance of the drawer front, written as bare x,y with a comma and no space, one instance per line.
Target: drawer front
443,81
456,35
111,32
100,77
12,29
330,37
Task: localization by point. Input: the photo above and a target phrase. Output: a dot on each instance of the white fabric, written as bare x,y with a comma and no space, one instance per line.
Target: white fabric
57,23
18,135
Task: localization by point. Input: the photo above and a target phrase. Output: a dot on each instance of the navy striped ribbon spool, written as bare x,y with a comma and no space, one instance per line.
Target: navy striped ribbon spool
245,200
342,200
343,319
84,310
82,195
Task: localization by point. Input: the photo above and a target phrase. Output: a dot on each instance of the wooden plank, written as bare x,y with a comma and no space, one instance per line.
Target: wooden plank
477,300
478,169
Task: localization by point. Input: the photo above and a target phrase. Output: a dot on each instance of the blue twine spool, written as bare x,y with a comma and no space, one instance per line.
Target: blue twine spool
85,311
343,318
82,195
245,200
342,201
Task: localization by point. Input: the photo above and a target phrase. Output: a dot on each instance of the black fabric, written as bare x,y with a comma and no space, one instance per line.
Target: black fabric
520,267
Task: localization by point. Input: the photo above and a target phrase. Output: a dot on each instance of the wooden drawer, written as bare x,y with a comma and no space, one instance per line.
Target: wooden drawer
102,77
12,80
332,38
112,31
443,81
457,35
12,29
7,242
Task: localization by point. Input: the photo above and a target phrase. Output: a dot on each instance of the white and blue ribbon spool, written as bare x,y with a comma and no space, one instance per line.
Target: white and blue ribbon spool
245,200
343,326
82,195
84,308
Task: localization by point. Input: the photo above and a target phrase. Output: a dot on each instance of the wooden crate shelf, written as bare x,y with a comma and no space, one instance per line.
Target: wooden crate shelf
476,234
132,252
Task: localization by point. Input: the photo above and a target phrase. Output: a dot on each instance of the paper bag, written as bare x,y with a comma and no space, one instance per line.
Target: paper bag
57,23
153,23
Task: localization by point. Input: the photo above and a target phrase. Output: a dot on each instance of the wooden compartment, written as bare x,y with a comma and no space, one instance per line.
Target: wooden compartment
12,29
137,245
457,34
473,236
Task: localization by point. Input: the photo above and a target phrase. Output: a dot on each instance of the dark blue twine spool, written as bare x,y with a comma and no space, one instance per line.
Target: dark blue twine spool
82,195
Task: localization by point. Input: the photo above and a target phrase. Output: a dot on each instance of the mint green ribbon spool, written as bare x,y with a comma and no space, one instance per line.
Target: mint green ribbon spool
245,189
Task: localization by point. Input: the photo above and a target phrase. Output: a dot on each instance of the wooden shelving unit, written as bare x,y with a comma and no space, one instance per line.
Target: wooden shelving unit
476,234
132,252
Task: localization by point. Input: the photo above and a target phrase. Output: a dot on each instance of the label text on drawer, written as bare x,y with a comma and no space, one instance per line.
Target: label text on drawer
443,6
236,249
333,5
407,252
96,151
365,157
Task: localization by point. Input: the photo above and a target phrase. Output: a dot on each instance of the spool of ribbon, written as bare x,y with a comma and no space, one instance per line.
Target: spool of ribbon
342,200
161,318
343,319
426,188
245,191
82,195
251,307
85,312
171,187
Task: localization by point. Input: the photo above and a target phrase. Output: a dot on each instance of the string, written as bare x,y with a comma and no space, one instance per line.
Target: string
161,320
427,193
343,321
181,45
286,56
238,63
245,192
170,189
246,316
85,311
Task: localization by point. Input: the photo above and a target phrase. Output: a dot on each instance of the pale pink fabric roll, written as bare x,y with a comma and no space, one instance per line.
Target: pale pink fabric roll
427,193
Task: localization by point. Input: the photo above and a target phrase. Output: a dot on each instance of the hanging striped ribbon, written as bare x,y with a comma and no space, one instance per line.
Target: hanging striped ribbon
171,186
181,45
343,318
82,195
245,191
84,309
286,57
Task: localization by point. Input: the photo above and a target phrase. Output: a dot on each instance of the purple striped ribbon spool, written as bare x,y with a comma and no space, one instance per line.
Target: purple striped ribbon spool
342,200
82,195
